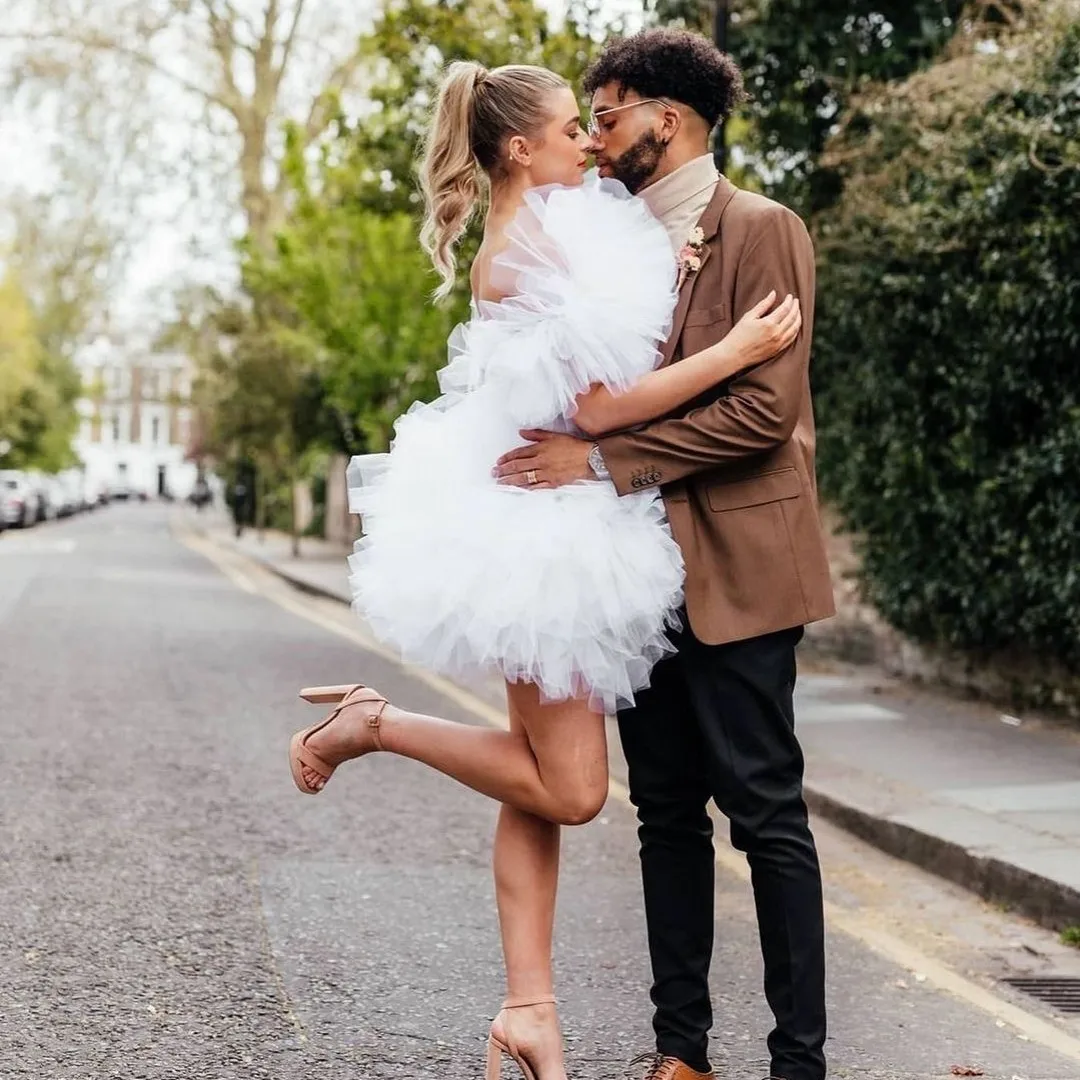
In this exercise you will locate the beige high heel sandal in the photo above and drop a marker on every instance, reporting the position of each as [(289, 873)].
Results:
[(299, 753), (497, 1048)]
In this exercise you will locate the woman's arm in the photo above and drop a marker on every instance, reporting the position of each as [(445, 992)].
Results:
[(757, 336)]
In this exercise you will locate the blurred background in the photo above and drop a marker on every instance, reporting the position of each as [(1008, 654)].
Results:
[(211, 294), (211, 288)]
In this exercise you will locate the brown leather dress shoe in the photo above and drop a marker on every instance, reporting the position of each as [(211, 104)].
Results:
[(669, 1068)]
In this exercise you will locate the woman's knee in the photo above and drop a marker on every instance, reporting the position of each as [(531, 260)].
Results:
[(579, 807)]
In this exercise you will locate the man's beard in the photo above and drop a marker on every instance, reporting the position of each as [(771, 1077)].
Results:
[(636, 166)]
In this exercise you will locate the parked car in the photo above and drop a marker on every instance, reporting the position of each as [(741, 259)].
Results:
[(42, 491), (19, 499), (95, 493), (69, 494)]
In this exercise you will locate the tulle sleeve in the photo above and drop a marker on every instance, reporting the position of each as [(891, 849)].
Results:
[(589, 277)]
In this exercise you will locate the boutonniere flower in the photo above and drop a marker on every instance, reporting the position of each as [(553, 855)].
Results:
[(690, 255)]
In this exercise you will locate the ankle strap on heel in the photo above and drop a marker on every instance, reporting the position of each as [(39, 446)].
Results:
[(526, 1002)]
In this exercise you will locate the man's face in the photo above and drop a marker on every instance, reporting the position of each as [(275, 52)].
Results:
[(627, 142)]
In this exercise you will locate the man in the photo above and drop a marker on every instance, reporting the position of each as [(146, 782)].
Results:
[(736, 471)]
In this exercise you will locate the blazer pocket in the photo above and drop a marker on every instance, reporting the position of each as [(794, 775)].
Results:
[(707, 316), (754, 490)]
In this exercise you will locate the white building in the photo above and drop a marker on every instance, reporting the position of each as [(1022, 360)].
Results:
[(135, 422)]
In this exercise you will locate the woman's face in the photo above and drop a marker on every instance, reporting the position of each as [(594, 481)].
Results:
[(558, 154)]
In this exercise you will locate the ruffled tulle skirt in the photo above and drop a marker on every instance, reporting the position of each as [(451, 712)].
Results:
[(570, 588)]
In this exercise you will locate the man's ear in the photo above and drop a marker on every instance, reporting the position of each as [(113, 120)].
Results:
[(670, 124)]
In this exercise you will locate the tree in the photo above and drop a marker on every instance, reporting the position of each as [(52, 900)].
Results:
[(803, 61), (947, 332), (259, 402), (19, 357), (38, 388), (347, 282), (404, 56), (346, 286), (230, 74)]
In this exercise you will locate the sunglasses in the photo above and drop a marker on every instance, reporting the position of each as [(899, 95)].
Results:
[(593, 128)]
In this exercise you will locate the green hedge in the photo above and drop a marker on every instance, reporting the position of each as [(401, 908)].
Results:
[(948, 347)]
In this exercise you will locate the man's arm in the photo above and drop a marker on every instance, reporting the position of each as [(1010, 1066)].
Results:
[(762, 405)]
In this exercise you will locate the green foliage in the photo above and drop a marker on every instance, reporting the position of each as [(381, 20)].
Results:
[(803, 61), (947, 337), (349, 287), (406, 52), (256, 392), (38, 387), (341, 304)]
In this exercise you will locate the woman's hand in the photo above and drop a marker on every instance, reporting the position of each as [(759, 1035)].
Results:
[(762, 334)]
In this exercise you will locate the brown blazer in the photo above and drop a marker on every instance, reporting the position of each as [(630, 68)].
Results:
[(736, 467)]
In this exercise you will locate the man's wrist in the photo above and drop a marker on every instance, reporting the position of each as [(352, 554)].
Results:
[(596, 463)]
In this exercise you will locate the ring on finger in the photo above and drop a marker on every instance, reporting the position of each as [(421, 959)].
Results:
[(530, 476)]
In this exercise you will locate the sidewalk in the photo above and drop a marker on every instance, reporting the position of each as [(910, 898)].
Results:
[(989, 801)]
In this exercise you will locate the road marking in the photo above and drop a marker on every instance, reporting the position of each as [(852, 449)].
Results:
[(847, 712), (30, 546), (208, 549), (852, 923)]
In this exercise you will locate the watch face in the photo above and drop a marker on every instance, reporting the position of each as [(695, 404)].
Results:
[(596, 463)]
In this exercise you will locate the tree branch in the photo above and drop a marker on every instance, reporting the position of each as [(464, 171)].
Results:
[(340, 77), (97, 44), (290, 40), (223, 42)]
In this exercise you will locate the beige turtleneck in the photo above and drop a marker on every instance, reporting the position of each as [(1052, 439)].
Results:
[(680, 198)]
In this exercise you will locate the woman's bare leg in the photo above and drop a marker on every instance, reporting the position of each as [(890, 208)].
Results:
[(554, 767), (549, 768), (526, 862)]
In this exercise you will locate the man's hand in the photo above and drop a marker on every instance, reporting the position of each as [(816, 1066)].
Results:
[(550, 461)]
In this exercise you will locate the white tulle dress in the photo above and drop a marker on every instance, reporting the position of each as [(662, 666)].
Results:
[(569, 588)]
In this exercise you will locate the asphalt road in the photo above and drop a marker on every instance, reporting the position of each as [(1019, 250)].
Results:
[(171, 907)]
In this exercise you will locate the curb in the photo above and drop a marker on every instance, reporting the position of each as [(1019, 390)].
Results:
[(1050, 903), (299, 583)]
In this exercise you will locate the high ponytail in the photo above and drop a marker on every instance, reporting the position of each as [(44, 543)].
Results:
[(475, 116), (449, 175)]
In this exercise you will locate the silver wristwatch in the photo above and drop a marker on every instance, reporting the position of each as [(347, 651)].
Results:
[(596, 463)]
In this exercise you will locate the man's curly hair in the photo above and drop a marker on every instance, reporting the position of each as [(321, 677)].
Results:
[(673, 64)]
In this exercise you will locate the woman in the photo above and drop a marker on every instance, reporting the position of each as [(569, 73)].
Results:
[(566, 592)]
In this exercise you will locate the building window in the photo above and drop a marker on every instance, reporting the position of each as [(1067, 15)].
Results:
[(116, 429), (155, 430)]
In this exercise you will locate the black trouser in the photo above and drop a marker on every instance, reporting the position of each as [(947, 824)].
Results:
[(718, 722)]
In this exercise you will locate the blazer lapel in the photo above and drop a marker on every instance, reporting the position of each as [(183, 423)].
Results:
[(710, 226)]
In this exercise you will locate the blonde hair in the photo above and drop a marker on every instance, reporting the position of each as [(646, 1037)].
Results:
[(478, 111)]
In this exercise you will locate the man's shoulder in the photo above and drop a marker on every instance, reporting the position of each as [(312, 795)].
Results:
[(755, 212)]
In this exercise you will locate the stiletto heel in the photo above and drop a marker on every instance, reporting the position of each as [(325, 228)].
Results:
[(299, 753), (497, 1047)]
